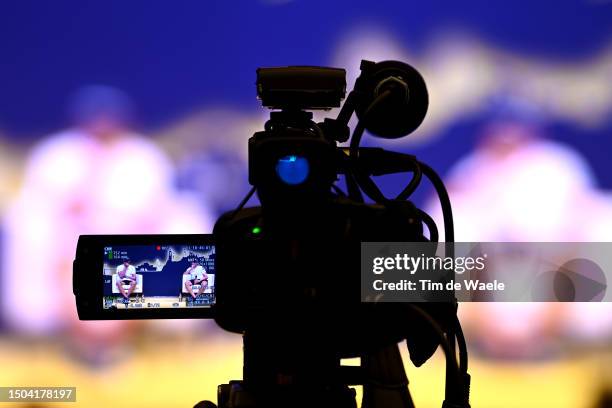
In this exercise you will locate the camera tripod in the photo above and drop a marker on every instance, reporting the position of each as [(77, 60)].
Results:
[(279, 374)]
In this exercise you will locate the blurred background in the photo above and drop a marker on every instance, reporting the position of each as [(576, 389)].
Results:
[(133, 117)]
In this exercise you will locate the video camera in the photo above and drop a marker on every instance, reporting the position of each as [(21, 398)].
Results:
[(286, 272)]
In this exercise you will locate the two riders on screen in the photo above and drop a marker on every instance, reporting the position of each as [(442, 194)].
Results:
[(127, 277)]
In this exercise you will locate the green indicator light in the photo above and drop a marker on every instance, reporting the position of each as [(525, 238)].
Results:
[(110, 255), (256, 230)]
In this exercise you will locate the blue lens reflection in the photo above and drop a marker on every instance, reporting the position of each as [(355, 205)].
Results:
[(292, 169)]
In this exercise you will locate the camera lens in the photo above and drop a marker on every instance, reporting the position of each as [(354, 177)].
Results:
[(292, 169)]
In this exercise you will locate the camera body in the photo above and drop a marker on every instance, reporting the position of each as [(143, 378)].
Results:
[(296, 258), (304, 267), (289, 270), (293, 263)]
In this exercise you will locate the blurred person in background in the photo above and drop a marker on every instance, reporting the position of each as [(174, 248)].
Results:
[(74, 183), (519, 186)]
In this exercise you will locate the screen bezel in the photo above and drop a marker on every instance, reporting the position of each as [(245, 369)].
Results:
[(88, 279)]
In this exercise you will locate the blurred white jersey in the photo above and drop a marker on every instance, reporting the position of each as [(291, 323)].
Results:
[(76, 184), (197, 273), (128, 272), (536, 191)]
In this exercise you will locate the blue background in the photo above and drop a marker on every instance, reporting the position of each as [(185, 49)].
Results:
[(174, 57)]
